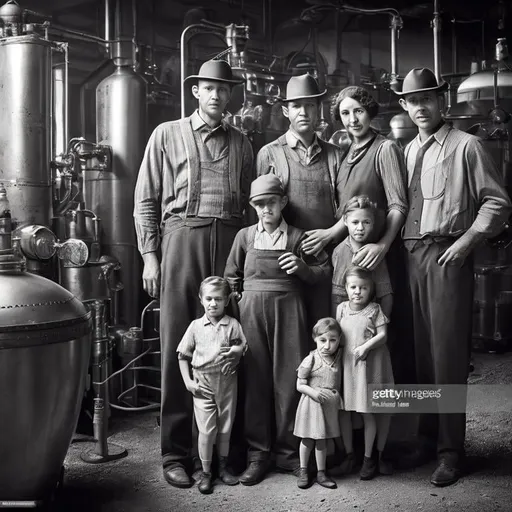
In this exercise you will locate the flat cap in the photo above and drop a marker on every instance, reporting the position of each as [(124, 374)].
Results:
[(265, 185)]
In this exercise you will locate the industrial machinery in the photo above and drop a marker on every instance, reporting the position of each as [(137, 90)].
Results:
[(45, 341)]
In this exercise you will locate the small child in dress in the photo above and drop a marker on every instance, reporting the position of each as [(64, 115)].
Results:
[(317, 418), (208, 353), (366, 361), (359, 215)]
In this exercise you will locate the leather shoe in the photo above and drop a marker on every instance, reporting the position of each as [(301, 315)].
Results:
[(255, 472), (303, 478), (445, 474), (205, 483), (177, 477)]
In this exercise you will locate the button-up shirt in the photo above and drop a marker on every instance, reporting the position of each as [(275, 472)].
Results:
[(307, 155), (275, 241), (461, 185), (203, 340), (215, 139)]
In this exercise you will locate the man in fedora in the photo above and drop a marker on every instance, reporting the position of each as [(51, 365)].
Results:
[(456, 200), (190, 199), (308, 168)]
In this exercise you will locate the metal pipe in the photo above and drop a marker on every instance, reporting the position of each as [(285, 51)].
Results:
[(396, 25), (182, 57), (436, 27), (76, 34)]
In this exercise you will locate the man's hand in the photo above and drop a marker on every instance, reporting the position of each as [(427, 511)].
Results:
[(151, 274), (195, 389), (316, 241), (369, 256), (231, 358), (292, 264), (456, 254)]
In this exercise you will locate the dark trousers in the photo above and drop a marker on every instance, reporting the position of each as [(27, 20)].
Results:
[(442, 301), (275, 326), (189, 255)]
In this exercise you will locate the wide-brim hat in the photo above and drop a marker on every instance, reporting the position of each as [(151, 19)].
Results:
[(302, 87), (421, 80), (266, 184), (216, 70)]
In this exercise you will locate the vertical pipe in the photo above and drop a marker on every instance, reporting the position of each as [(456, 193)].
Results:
[(436, 27), (108, 26), (395, 25)]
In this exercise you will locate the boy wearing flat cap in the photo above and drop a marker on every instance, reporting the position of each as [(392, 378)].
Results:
[(268, 268), (308, 168), (190, 199), (456, 200)]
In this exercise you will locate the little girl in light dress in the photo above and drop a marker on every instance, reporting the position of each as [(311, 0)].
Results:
[(317, 418), (366, 361)]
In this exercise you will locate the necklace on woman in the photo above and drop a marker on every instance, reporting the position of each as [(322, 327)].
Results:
[(358, 150)]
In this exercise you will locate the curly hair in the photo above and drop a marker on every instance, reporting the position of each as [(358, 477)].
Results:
[(357, 93), (324, 325), (361, 202)]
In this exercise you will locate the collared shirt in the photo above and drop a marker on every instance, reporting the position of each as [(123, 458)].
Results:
[(307, 155), (215, 139), (275, 241), (162, 188), (203, 340), (461, 185)]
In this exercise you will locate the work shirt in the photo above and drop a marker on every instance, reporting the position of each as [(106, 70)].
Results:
[(275, 241), (307, 155), (203, 340), (461, 185), (163, 189)]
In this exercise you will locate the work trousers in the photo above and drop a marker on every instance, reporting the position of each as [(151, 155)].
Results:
[(442, 302), (190, 253), (275, 327)]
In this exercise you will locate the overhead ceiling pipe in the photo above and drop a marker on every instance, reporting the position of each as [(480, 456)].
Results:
[(436, 27)]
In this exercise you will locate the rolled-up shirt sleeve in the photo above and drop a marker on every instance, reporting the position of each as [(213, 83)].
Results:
[(487, 189), (148, 194), (392, 171)]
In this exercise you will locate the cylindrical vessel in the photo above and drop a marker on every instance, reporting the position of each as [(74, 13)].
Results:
[(25, 105), (45, 338), (121, 124)]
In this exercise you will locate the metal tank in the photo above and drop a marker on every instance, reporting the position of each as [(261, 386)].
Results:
[(25, 105), (45, 339), (121, 112)]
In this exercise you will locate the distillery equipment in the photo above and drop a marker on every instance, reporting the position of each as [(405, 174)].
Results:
[(121, 125), (44, 352)]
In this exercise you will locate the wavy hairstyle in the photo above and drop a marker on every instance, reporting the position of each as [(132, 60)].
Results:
[(357, 93), (361, 202)]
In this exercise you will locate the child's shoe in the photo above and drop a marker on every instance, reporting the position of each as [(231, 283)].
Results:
[(369, 469), (224, 474), (205, 483), (303, 478), (346, 467), (325, 481)]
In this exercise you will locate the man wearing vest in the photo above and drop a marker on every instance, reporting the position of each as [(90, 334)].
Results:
[(308, 168), (456, 200), (190, 200)]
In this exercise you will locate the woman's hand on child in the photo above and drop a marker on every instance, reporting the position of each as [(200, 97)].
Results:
[(290, 263), (360, 353), (316, 241), (369, 256)]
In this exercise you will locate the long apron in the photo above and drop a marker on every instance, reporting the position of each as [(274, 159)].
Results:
[(192, 250), (273, 318), (310, 207)]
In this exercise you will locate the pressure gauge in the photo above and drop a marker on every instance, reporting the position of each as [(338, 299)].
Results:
[(37, 242)]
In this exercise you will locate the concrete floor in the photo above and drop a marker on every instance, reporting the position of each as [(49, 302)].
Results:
[(136, 484)]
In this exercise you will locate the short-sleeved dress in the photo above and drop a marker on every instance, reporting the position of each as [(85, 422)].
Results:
[(313, 419), (358, 327)]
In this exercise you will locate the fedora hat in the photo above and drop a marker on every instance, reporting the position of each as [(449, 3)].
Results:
[(421, 80), (217, 70), (301, 87)]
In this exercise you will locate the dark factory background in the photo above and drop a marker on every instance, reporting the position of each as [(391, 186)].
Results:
[(89, 80)]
